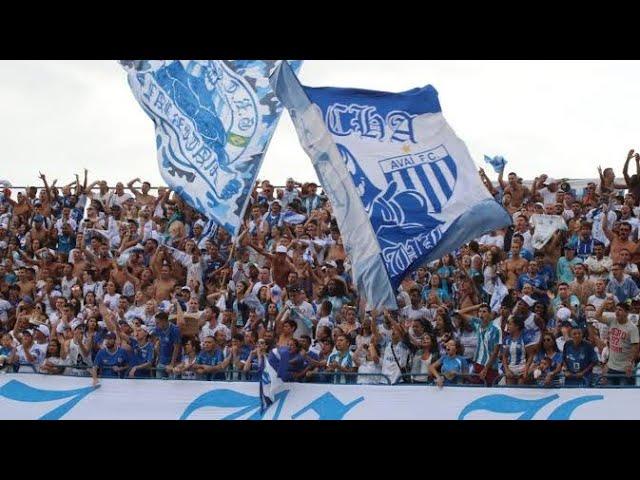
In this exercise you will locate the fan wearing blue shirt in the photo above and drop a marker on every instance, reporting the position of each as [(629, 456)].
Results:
[(141, 354), (168, 336), (210, 362), (564, 267), (111, 361), (451, 366), (536, 280), (547, 349), (578, 358)]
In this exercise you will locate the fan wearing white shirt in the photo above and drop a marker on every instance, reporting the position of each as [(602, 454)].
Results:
[(415, 310), (491, 239)]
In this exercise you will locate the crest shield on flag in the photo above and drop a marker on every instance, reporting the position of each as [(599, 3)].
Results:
[(213, 122), (402, 185)]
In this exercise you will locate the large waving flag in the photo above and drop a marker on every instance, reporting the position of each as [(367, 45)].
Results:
[(402, 185), (213, 122)]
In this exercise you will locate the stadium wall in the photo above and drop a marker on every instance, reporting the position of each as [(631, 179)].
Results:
[(33, 396)]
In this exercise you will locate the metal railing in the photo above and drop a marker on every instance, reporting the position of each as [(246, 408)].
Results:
[(349, 378), (338, 378), (463, 379)]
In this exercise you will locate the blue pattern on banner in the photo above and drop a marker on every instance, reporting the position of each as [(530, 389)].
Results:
[(225, 398), (328, 407), (214, 120), (564, 411), (528, 408), (20, 392), (507, 404)]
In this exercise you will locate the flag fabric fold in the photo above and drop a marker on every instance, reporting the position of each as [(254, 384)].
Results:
[(213, 122), (402, 185), (270, 383)]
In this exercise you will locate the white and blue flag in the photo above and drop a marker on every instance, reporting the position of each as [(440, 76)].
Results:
[(270, 383), (213, 122), (498, 163), (402, 185)]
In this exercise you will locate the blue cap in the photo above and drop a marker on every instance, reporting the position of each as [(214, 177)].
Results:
[(38, 218)]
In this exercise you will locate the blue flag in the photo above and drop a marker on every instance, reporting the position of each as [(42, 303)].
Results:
[(496, 162), (213, 122), (402, 185)]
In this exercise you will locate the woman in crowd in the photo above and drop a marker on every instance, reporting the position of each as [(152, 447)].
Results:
[(514, 353)]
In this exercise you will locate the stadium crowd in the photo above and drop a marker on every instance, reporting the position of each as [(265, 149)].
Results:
[(123, 283)]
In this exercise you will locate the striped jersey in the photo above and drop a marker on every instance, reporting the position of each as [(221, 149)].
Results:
[(515, 350), (488, 338)]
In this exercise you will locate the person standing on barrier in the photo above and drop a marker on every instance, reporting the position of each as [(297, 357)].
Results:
[(485, 361), (578, 359), (623, 346)]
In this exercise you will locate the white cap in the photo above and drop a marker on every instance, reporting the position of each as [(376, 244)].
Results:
[(44, 330), (528, 300), (281, 249), (199, 223), (563, 314)]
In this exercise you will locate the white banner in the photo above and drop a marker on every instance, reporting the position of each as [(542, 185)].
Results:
[(33, 396), (544, 226)]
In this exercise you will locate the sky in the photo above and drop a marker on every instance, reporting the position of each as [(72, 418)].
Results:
[(563, 118)]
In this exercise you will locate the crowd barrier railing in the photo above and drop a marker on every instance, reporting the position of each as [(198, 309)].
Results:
[(605, 380), (463, 379)]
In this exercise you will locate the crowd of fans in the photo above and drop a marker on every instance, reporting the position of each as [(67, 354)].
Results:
[(123, 283)]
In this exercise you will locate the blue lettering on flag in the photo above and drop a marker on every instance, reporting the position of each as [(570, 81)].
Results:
[(420, 195)]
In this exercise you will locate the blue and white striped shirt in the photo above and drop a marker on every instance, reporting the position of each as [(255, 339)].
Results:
[(515, 349), (488, 338)]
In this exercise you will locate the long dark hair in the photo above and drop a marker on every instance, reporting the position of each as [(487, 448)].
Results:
[(547, 333), (56, 342)]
